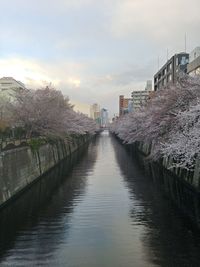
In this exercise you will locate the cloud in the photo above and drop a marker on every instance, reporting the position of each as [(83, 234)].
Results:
[(81, 107), (35, 73), (160, 22), (93, 50)]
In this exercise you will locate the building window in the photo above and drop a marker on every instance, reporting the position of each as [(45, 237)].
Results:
[(6, 84), (164, 72), (169, 67), (169, 78), (184, 61)]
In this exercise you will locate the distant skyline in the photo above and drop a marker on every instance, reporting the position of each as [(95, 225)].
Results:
[(93, 51)]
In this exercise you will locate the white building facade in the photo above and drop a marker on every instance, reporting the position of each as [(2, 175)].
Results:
[(8, 86), (139, 98)]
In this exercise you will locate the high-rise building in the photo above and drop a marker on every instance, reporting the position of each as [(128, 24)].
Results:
[(123, 105), (130, 106), (139, 98), (148, 85), (95, 113), (104, 118), (193, 67), (168, 74)]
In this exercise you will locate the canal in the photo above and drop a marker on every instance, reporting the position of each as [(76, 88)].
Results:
[(99, 209)]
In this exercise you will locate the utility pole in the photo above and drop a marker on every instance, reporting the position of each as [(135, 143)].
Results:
[(158, 62)]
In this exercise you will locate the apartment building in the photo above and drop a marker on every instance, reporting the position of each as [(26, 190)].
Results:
[(139, 98), (169, 72), (193, 67), (124, 104)]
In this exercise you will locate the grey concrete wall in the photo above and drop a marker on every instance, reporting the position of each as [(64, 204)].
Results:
[(190, 176), (181, 186), (22, 166)]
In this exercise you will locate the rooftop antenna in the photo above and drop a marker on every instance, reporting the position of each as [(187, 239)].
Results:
[(167, 54), (158, 62)]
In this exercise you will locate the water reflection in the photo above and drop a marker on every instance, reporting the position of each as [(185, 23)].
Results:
[(104, 212), (167, 238), (32, 227)]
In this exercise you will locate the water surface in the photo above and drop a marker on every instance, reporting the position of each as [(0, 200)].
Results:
[(99, 209)]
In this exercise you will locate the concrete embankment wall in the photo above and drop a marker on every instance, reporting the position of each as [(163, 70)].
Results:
[(180, 185), (20, 167)]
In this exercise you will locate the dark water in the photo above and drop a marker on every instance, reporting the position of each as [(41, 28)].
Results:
[(104, 212)]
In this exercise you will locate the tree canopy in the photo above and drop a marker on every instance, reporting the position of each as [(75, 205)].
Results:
[(169, 121), (47, 112)]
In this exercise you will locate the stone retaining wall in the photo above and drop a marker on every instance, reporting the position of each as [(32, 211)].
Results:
[(20, 167), (179, 185)]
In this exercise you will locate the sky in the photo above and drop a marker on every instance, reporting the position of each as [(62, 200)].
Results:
[(91, 50)]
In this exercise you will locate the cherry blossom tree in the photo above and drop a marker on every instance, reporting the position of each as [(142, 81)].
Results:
[(164, 123), (183, 144), (48, 113), (78, 123)]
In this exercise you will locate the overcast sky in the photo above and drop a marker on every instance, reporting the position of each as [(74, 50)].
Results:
[(93, 50)]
